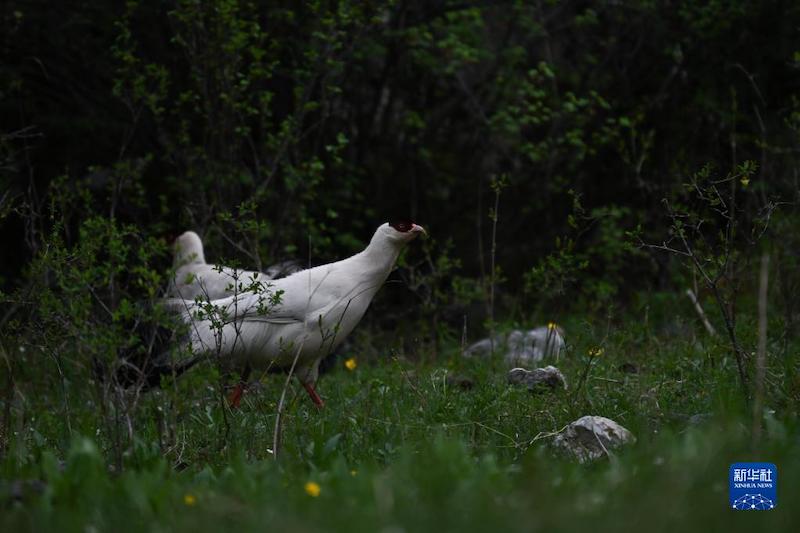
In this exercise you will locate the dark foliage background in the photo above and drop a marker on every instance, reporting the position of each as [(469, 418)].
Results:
[(281, 129), (585, 165)]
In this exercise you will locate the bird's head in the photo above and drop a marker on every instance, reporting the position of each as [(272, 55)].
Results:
[(401, 231)]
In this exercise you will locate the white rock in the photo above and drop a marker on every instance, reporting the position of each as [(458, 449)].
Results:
[(592, 437), (525, 348), (483, 348), (522, 348)]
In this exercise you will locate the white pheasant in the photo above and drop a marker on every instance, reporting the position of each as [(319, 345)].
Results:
[(300, 319), (196, 278)]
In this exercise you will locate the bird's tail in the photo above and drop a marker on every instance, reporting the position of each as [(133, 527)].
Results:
[(150, 374), (188, 249), (155, 352)]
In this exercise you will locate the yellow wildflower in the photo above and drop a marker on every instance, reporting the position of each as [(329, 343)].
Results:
[(313, 489), (745, 181), (551, 326), (351, 364), (596, 352), (189, 499)]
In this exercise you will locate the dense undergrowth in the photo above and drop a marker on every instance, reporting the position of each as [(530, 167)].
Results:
[(400, 447)]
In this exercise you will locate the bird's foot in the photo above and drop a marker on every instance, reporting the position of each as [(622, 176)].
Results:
[(314, 396), (235, 397)]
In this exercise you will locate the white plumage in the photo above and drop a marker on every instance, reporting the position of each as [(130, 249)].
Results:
[(303, 316), (194, 277)]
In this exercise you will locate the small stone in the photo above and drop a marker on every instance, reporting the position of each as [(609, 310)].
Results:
[(538, 379), (699, 419), (483, 348), (20, 490), (460, 381), (592, 437), (628, 368), (408, 374)]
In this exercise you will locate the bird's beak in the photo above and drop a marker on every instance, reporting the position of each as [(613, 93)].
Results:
[(418, 229)]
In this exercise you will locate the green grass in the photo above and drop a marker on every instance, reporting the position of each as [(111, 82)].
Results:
[(398, 449)]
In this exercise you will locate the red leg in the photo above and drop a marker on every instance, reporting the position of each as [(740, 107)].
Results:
[(235, 397), (314, 396)]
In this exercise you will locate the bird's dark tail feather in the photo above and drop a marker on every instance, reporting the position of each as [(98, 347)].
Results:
[(148, 375), (153, 354), (284, 269)]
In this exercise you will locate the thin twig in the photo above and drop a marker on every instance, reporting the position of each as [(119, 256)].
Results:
[(701, 313), (497, 185), (408, 380), (761, 354), (276, 434)]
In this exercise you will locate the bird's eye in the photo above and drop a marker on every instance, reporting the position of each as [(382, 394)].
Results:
[(403, 226)]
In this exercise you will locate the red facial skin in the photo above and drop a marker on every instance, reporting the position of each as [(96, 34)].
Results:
[(407, 226), (403, 226)]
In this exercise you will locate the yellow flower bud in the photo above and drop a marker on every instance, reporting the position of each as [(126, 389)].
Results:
[(312, 489)]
